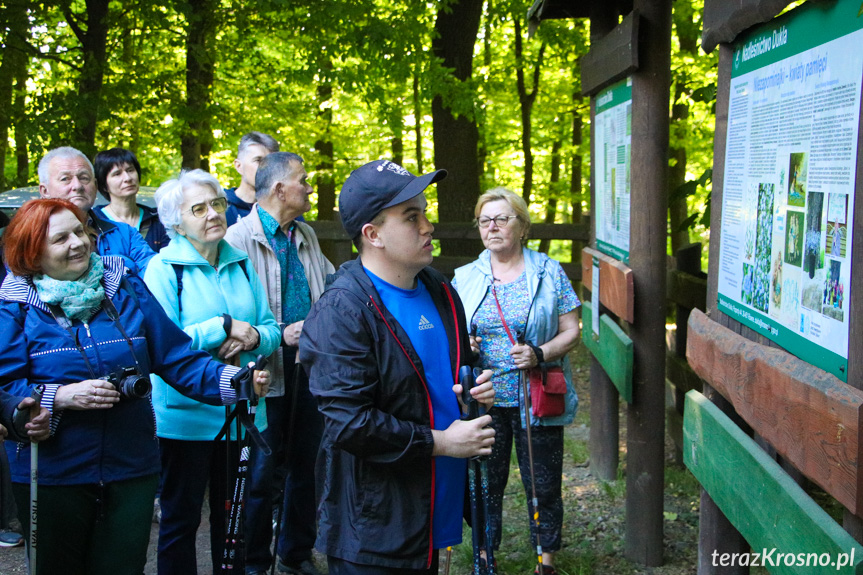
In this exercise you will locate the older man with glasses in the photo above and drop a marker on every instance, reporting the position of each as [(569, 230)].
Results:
[(67, 174)]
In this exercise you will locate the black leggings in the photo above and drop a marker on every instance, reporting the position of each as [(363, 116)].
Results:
[(548, 473), (91, 530)]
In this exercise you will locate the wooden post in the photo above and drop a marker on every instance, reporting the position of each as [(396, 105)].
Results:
[(852, 523), (604, 424), (715, 532), (689, 261), (646, 416), (604, 420)]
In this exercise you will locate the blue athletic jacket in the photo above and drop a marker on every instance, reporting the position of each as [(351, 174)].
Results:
[(119, 239), (93, 446), (157, 238)]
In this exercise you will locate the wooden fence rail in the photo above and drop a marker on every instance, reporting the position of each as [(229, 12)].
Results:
[(686, 289)]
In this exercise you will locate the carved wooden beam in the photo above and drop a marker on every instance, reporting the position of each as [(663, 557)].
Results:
[(809, 416)]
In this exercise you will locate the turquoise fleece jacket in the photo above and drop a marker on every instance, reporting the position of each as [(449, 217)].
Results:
[(207, 294)]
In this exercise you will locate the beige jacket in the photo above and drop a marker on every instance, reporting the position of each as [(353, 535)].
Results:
[(248, 235)]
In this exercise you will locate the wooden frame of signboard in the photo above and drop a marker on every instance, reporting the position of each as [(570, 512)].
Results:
[(835, 403)]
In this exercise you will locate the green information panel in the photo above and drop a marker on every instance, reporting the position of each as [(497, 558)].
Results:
[(612, 149), (788, 197)]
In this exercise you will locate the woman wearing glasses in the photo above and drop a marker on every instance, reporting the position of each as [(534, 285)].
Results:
[(211, 291), (511, 292), (69, 319)]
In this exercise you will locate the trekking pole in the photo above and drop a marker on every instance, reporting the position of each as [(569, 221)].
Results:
[(448, 560), (478, 472), (229, 496), (244, 413), (287, 455), (522, 375), (20, 419), (233, 530)]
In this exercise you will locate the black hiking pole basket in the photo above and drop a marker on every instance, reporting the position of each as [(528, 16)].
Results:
[(481, 530), (244, 415)]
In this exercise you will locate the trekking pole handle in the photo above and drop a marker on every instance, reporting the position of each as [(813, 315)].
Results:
[(242, 381), (467, 378), (21, 417)]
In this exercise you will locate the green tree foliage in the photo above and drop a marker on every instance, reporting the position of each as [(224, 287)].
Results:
[(340, 82), (692, 121)]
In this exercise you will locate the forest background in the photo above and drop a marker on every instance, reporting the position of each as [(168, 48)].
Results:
[(454, 84)]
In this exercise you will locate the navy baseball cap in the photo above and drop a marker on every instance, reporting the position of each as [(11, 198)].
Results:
[(376, 186)]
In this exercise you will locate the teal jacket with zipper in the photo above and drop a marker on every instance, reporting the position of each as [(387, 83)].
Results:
[(207, 293)]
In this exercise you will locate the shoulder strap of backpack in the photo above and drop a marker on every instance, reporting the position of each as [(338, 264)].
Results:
[(178, 271)]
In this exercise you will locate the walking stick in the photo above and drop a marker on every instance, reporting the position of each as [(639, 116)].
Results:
[(244, 413), (20, 420), (478, 484), (289, 442), (229, 549), (522, 375)]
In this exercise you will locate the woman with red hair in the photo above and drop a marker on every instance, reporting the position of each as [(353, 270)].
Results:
[(78, 324)]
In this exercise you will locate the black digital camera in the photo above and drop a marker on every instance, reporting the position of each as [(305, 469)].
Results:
[(130, 383)]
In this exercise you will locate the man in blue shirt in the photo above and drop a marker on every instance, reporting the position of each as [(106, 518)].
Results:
[(382, 347)]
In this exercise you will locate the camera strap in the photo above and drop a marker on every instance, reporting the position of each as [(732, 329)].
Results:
[(111, 310), (64, 322)]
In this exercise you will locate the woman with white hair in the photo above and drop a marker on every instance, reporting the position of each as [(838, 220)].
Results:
[(212, 292)]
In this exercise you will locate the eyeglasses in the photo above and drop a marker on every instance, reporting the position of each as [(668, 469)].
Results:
[(499, 221), (201, 210)]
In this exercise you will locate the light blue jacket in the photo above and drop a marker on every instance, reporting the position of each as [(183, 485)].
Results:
[(207, 294), (473, 281)]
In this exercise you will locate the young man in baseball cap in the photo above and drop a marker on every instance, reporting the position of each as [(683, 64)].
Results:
[(382, 348)]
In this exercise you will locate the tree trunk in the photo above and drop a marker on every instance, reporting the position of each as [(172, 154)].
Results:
[(397, 144), (687, 34), (418, 114), (456, 137), (677, 208), (554, 179), (85, 112), (21, 125), (14, 61), (526, 100), (326, 184), (576, 192), (196, 138), (486, 38)]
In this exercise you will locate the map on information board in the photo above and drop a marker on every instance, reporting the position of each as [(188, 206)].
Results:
[(612, 148), (788, 194)]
